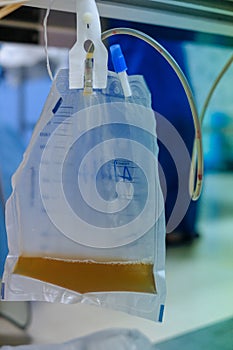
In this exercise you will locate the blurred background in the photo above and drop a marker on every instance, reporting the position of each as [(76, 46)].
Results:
[(199, 274)]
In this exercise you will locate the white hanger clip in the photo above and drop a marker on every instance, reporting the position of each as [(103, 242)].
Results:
[(88, 30)]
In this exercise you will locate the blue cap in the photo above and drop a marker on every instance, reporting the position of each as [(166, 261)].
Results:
[(118, 59)]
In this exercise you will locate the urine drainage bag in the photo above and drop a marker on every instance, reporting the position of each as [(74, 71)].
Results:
[(85, 221)]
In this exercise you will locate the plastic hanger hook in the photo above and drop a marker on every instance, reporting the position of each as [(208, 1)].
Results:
[(88, 32)]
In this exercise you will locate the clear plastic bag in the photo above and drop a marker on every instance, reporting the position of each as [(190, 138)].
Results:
[(111, 339), (85, 221)]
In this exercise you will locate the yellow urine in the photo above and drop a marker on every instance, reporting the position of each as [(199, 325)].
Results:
[(85, 276)]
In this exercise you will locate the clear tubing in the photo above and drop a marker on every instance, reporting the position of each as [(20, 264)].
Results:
[(46, 40), (207, 100), (217, 80), (195, 184), (88, 74)]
